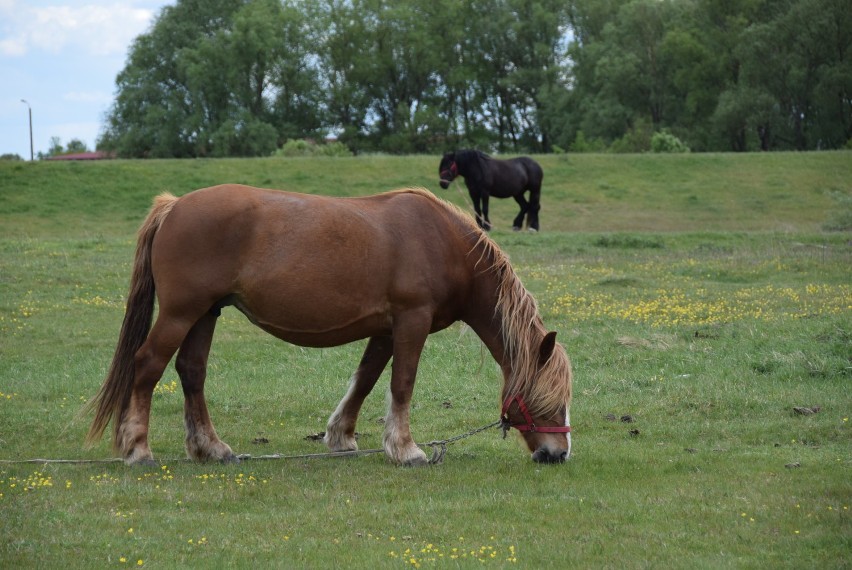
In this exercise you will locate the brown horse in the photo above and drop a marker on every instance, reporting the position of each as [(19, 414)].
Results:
[(318, 272)]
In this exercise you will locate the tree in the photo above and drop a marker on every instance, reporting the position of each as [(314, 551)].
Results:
[(799, 62), (240, 77), (57, 149), (76, 146), (218, 77)]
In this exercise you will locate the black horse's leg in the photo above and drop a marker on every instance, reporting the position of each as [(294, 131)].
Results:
[(534, 207), (486, 223), (518, 223), (474, 196)]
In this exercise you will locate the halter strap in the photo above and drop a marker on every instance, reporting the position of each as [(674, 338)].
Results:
[(530, 425)]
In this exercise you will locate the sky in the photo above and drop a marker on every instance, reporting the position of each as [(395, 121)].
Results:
[(62, 57)]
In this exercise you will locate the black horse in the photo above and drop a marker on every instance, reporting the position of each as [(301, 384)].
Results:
[(486, 177)]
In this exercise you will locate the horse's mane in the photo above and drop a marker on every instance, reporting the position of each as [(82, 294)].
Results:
[(545, 389), (471, 152), (471, 157)]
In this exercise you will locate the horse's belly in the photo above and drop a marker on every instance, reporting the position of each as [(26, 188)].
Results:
[(318, 325)]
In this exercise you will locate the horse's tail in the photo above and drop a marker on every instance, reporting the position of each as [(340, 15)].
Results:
[(114, 396)]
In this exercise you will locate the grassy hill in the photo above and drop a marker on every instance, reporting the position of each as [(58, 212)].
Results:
[(585, 193)]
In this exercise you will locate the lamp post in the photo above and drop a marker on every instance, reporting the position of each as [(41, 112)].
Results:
[(24, 101)]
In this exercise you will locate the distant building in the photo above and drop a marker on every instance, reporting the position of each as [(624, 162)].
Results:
[(97, 155)]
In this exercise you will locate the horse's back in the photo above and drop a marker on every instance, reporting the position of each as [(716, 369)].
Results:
[(513, 175), (289, 228), (310, 269)]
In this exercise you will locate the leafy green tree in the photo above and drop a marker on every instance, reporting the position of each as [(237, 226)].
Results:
[(240, 77), (56, 147), (799, 61), (157, 112), (215, 77), (619, 65), (76, 146)]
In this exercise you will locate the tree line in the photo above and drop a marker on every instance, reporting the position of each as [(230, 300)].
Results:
[(241, 77)]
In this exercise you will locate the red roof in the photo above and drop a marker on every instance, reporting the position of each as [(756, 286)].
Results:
[(97, 155)]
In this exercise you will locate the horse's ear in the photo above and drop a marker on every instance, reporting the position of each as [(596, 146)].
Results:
[(546, 349)]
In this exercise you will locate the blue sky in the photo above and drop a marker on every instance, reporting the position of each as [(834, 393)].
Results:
[(62, 57)]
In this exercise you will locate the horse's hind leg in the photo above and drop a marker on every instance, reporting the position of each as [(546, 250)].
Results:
[(534, 207), (202, 443), (340, 432), (150, 361), (518, 222)]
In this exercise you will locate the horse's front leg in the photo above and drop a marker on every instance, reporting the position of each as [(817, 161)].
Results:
[(475, 197), (410, 332), (486, 223), (202, 442), (340, 431)]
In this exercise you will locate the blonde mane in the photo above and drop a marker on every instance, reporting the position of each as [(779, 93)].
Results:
[(546, 389)]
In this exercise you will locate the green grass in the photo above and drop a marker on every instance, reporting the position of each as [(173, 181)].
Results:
[(781, 192), (701, 295)]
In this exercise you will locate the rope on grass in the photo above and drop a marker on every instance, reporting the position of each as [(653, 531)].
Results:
[(439, 450)]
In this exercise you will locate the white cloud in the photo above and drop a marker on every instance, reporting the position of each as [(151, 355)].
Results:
[(97, 29), (12, 47)]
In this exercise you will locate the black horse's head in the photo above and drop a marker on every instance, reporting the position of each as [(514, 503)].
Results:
[(448, 169)]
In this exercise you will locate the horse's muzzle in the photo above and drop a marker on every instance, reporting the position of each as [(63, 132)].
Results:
[(544, 455), (445, 183)]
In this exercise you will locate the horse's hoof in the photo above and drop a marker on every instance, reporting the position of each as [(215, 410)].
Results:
[(533, 231), (516, 228), (149, 462), (409, 457), (140, 457), (416, 462)]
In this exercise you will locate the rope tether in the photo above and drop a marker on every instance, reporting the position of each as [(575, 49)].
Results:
[(439, 450)]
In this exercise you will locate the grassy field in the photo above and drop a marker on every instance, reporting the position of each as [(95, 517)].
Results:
[(700, 297)]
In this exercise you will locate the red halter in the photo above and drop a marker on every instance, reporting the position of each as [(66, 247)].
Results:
[(530, 425), (453, 170)]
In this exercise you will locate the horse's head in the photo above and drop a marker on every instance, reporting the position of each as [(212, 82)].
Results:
[(448, 169), (548, 438), (544, 423)]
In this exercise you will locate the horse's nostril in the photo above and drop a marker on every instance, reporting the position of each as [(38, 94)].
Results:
[(542, 455)]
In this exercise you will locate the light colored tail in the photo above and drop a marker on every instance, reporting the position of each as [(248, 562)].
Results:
[(112, 399)]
